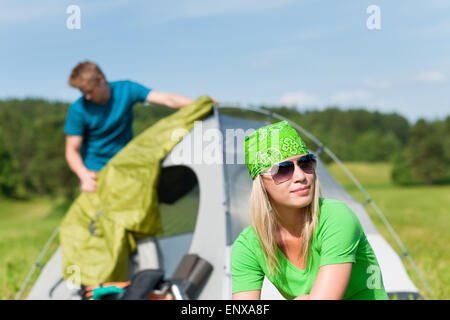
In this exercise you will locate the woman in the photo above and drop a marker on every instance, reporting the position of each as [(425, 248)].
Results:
[(308, 247)]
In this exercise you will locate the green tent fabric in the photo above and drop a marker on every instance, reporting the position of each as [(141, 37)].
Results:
[(98, 232)]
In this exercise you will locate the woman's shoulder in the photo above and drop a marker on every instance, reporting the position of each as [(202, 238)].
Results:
[(248, 234), (328, 206), (328, 202), (336, 210), (248, 238)]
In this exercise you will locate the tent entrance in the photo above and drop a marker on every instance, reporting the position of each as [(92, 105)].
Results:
[(178, 196)]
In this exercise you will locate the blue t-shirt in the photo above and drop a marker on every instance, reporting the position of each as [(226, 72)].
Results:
[(107, 128)]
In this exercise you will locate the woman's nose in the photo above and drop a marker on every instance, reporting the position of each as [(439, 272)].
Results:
[(299, 174)]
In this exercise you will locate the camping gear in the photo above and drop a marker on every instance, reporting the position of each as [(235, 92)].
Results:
[(139, 287), (204, 189), (185, 284), (98, 232), (191, 274), (105, 291), (142, 284)]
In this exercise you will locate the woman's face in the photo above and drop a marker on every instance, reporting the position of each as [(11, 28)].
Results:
[(297, 192)]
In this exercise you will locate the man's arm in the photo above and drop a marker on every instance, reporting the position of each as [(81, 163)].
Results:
[(171, 100), (75, 162), (331, 282)]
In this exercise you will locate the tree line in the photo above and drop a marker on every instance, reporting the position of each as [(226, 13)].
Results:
[(32, 159)]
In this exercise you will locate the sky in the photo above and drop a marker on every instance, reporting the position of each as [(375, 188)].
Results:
[(309, 54)]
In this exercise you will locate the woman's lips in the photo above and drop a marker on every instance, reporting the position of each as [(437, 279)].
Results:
[(301, 190)]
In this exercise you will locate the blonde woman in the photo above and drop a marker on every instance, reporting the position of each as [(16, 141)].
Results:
[(308, 247)]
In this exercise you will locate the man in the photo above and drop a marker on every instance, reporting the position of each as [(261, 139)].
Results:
[(99, 123)]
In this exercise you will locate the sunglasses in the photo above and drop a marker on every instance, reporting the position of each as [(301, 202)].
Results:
[(284, 171)]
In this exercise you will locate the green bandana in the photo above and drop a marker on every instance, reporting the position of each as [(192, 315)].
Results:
[(270, 145)]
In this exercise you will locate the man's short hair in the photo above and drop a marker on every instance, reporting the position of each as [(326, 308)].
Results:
[(85, 73)]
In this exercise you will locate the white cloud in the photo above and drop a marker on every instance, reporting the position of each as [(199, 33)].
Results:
[(299, 98), (346, 98), (431, 76), (376, 83), (351, 97)]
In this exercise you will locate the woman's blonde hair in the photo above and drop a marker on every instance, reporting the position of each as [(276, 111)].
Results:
[(265, 221)]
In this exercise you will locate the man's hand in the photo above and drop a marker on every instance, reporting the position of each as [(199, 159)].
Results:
[(73, 157), (88, 183)]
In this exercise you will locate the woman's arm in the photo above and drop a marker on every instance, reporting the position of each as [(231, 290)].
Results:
[(247, 295), (331, 282), (339, 241)]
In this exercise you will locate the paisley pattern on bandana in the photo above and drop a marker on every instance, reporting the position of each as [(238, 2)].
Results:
[(270, 145), (290, 145)]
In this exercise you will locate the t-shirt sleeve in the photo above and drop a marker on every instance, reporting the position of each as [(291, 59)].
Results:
[(246, 273), (339, 236), (138, 92), (74, 122)]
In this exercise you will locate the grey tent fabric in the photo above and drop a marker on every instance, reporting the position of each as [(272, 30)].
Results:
[(50, 284), (224, 188)]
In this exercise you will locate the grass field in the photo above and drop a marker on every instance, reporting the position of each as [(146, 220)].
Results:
[(25, 226), (419, 215)]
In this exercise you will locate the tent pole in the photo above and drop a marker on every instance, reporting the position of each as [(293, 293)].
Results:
[(405, 252), (37, 263)]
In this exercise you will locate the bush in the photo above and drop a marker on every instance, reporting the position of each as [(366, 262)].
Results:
[(8, 172), (425, 159), (400, 170)]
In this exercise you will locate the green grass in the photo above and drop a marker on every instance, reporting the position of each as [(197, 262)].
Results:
[(419, 215), (25, 226), (181, 216)]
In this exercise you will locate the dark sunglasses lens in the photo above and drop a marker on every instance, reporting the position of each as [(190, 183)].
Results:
[(283, 172), (307, 163)]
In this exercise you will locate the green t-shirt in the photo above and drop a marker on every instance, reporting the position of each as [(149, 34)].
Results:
[(339, 238)]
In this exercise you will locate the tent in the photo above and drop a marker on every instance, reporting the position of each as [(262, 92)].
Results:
[(204, 190)]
